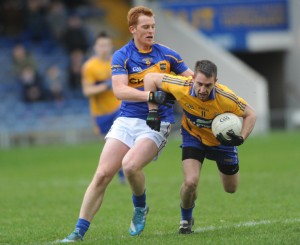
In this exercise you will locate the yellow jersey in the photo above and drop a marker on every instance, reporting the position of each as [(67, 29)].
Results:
[(198, 115), (96, 71)]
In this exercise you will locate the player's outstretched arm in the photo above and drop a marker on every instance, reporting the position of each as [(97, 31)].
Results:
[(187, 73), (92, 89), (123, 92), (153, 82)]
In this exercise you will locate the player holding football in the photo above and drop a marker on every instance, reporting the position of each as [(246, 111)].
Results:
[(202, 99), (97, 86), (130, 143)]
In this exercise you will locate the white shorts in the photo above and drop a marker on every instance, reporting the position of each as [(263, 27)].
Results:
[(129, 130)]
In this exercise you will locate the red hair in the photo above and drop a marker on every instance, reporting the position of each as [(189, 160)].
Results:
[(135, 12)]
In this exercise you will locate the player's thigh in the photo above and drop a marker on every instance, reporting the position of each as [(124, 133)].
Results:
[(191, 170), (192, 159), (143, 152), (147, 145), (160, 138), (112, 155)]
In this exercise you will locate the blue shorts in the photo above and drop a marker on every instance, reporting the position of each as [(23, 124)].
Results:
[(225, 156), (104, 122)]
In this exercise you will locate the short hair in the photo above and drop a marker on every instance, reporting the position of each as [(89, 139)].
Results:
[(135, 12), (102, 34), (208, 68)]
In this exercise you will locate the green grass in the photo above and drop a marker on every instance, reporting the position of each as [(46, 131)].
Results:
[(41, 189)]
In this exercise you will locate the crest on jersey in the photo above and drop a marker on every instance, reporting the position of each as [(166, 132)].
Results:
[(163, 66), (147, 61)]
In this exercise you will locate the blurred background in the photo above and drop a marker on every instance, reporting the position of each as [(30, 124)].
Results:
[(43, 43)]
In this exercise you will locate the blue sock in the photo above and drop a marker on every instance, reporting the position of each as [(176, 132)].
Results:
[(121, 174), (139, 201), (187, 214), (82, 226)]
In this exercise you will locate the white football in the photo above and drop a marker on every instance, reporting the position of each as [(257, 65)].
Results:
[(226, 122)]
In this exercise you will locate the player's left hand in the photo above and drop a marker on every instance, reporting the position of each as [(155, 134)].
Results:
[(153, 120), (235, 140), (109, 84), (161, 98)]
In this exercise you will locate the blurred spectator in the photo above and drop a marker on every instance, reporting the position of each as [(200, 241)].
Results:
[(76, 61), (75, 35), (21, 59), (57, 18), (54, 83), (35, 21), (11, 17), (31, 85), (75, 3)]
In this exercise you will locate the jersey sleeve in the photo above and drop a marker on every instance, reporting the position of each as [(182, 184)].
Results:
[(87, 74), (118, 63), (237, 104), (176, 85), (177, 64), (240, 105)]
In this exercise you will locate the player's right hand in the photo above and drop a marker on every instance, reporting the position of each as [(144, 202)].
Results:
[(161, 98), (153, 120), (235, 140)]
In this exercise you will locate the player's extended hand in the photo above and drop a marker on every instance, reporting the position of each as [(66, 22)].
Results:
[(161, 98), (153, 120), (109, 84), (235, 140)]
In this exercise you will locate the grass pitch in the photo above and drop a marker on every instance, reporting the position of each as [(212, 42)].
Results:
[(41, 189)]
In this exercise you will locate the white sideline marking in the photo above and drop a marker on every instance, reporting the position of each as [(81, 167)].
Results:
[(221, 227), (246, 224)]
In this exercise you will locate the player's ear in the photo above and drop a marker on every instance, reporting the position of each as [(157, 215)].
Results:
[(132, 29), (216, 79)]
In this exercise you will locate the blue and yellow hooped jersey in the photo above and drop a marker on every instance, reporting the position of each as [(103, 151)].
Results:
[(198, 115), (136, 64)]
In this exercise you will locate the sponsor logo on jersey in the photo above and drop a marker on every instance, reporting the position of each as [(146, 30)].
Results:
[(136, 81), (202, 123)]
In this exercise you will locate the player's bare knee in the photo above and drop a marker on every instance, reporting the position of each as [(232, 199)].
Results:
[(191, 183), (129, 168), (230, 189), (102, 178)]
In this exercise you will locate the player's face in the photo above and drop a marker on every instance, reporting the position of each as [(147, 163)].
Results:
[(103, 47), (143, 32), (203, 86)]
